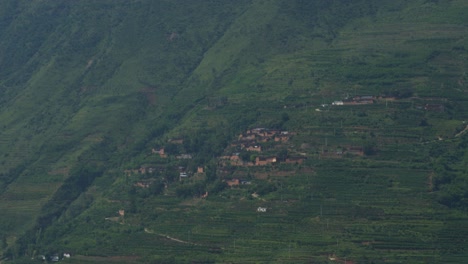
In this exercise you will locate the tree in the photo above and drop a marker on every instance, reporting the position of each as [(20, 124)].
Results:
[(370, 148), (217, 187), (283, 155), (156, 187), (3, 241)]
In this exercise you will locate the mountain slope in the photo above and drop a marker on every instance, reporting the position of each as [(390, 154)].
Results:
[(89, 89), (65, 91)]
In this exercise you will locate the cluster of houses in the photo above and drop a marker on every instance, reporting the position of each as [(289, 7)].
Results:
[(370, 99), (143, 170), (339, 152), (160, 152), (236, 182), (357, 100), (251, 141), (434, 107), (256, 135), (55, 257)]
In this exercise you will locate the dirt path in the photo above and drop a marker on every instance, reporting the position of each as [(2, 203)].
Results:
[(148, 231), (461, 132), (112, 259)]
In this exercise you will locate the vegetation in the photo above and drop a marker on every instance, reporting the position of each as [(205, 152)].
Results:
[(234, 131)]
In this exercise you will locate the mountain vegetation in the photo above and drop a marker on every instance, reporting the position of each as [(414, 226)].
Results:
[(214, 131)]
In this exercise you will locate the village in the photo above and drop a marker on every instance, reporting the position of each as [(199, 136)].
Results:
[(261, 157), (258, 149), (425, 103), (245, 158)]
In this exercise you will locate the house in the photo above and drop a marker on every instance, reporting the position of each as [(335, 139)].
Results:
[(122, 212), (184, 156), (160, 152), (234, 160), (330, 154), (355, 150), (387, 98), (295, 160), (434, 107), (172, 36), (338, 103), (176, 140), (264, 138), (247, 137), (350, 102), (261, 209), (233, 182), (257, 130), (271, 132), (367, 97), (366, 102), (66, 255), (54, 258), (363, 98), (200, 170), (130, 172), (183, 175), (255, 148), (143, 184), (246, 144), (262, 161), (234, 157), (282, 138), (243, 163), (143, 170)]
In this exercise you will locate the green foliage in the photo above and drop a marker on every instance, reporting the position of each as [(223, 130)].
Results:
[(87, 89), (191, 190), (451, 176)]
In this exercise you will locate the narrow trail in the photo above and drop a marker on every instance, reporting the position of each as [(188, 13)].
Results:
[(148, 231), (461, 132)]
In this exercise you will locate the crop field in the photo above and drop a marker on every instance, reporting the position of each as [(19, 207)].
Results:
[(275, 131)]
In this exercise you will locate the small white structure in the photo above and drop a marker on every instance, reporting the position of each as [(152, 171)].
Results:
[(262, 209), (66, 255), (338, 103)]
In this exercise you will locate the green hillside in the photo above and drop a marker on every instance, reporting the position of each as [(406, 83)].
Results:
[(214, 131)]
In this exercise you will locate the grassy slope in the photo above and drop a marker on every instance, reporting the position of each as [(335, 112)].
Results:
[(83, 73), (267, 57), (371, 55)]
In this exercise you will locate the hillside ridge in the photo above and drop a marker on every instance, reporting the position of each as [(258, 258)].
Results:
[(276, 131)]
